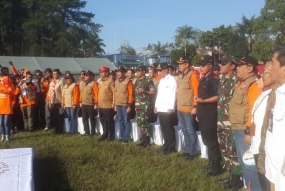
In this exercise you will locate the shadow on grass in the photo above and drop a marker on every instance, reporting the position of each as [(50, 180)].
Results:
[(50, 175)]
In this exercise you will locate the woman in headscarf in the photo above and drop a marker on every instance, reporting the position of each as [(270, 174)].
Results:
[(6, 105), (54, 100)]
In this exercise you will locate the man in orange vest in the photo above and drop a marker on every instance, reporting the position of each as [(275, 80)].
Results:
[(123, 100), (106, 104), (187, 90), (89, 103), (240, 113)]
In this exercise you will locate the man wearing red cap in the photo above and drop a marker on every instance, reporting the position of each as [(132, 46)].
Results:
[(106, 104)]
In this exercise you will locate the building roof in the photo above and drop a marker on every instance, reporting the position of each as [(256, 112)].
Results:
[(74, 65)]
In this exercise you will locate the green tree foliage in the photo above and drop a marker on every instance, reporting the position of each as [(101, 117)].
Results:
[(227, 38), (185, 36), (176, 54), (269, 29), (245, 28), (48, 28), (127, 50)]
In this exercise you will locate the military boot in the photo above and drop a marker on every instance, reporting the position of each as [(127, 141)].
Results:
[(147, 141), (141, 144), (227, 180), (215, 169), (236, 183), (209, 166)]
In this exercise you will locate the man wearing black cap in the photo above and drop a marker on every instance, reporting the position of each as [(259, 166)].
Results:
[(144, 88), (216, 69), (187, 83), (89, 103), (123, 99), (240, 111), (165, 106), (225, 134), (207, 113)]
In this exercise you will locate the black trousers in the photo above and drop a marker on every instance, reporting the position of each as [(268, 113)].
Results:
[(57, 118), (167, 128), (107, 121), (17, 118), (208, 126), (88, 112), (264, 182), (39, 111)]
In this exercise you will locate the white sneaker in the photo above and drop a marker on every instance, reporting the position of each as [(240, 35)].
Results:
[(3, 138), (46, 129), (7, 138)]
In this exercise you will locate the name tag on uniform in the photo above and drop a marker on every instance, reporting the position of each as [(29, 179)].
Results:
[(137, 103), (24, 92), (283, 168)]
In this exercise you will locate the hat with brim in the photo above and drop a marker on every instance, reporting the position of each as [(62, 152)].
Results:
[(183, 60), (141, 68), (216, 67), (104, 69), (248, 60), (88, 72), (69, 76), (206, 59), (231, 59), (162, 66), (121, 69)]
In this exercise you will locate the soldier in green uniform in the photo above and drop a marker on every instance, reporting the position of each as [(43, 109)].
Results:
[(144, 88), (225, 134)]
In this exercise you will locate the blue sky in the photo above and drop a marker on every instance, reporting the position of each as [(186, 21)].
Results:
[(149, 21)]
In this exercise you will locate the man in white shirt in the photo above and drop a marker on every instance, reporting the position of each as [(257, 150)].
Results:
[(258, 114), (164, 106), (275, 137)]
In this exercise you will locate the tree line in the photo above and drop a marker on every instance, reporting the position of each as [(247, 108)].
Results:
[(255, 36), (57, 28)]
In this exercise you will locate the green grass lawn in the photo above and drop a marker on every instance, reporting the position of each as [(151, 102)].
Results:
[(79, 163)]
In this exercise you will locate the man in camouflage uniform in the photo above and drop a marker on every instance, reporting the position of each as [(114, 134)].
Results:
[(152, 75), (225, 134), (144, 88)]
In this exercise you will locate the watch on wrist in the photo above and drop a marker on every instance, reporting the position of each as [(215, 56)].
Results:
[(247, 131)]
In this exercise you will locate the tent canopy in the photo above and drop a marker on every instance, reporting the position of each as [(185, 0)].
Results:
[(74, 65)]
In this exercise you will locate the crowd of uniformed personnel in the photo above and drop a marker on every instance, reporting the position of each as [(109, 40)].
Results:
[(236, 104)]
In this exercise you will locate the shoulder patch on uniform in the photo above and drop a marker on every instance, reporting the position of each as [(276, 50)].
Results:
[(217, 77), (244, 85)]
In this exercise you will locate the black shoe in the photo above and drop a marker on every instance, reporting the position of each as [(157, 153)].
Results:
[(141, 144), (86, 134), (190, 157), (111, 139), (102, 138), (226, 180), (121, 140), (125, 142), (208, 167), (147, 142), (236, 183), (183, 155), (216, 169)]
